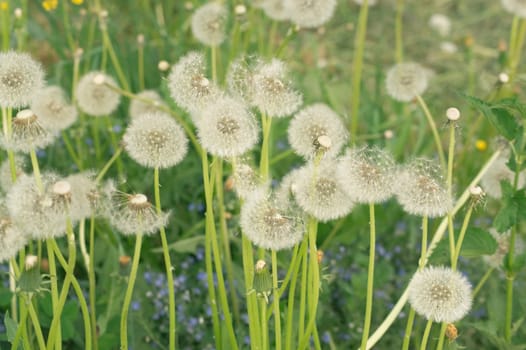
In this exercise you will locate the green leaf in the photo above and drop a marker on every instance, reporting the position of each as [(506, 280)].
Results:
[(11, 326), (513, 207), (478, 242), (187, 245)]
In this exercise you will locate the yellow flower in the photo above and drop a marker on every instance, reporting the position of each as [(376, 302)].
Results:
[(4, 5), (77, 2), (481, 145), (49, 5)]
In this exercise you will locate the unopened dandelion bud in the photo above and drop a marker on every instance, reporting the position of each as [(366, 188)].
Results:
[(240, 10), (30, 281), (18, 13), (20, 77), (163, 65), (440, 294), (453, 114), (124, 260), (504, 78), (140, 39), (262, 283), (30, 262)]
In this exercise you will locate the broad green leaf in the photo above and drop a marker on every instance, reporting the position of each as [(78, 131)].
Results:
[(477, 242), (11, 326), (187, 245)]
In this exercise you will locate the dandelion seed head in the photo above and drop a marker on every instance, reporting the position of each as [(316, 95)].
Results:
[(440, 294), (272, 93), (208, 24), (94, 97), (405, 81), (515, 7), (239, 79), (496, 260), (188, 85), (498, 172), (139, 107), (440, 23), (11, 238), (367, 174), (27, 133), (271, 225), (133, 214), (20, 77), (318, 192), (226, 128), (310, 13), (317, 128), (6, 181), (246, 179), (275, 9), (421, 190), (155, 140), (53, 111)]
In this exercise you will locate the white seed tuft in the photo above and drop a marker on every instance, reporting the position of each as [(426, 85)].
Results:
[(94, 97)]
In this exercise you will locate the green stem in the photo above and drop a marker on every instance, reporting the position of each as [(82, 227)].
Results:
[(515, 59), (277, 314), (54, 290), (461, 236), (36, 170), (370, 278), (67, 26), (168, 265), (266, 123), (252, 308), (36, 326), (398, 31), (113, 56), (425, 337), (434, 130), (140, 65), (5, 14), (214, 63), (482, 281), (264, 324), (442, 337), (129, 292), (408, 329), (92, 283), (449, 184), (303, 293), (357, 66), (71, 150), (290, 304), (21, 329), (108, 164)]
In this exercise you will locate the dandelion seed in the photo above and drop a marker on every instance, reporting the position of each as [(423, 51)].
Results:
[(27, 133), (226, 128), (405, 81), (20, 77), (53, 111), (155, 140), (367, 174), (318, 192), (5, 172), (421, 190), (208, 24), (272, 93), (11, 239), (40, 215), (269, 224), (310, 13), (498, 172), (315, 122), (515, 7), (94, 97), (139, 107), (440, 294), (189, 87), (133, 214), (239, 79)]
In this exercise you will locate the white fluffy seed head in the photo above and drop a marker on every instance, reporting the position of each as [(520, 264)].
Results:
[(53, 110), (405, 81), (38, 214), (187, 84), (11, 238), (27, 133), (246, 179), (516, 7), (269, 224), (504, 78), (163, 66), (94, 97), (318, 192), (20, 77), (275, 9), (310, 13), (87, 198), (133, 214), (498, 172), (440, 23), (6, 181), (453, 114), (317, 129), (272, 92), (440, 294), (367, 174), (155, 140), (421, 190), (138, 106), (208, 24), (496, 260), (226, 128), (239, 79), (369, 3)]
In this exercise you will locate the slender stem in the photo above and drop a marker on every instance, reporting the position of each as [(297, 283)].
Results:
[(108, 164), (92, 284), (253, 312), (140, 64), (266, 123), (461, 236), (399, 305), (21, 329), (482, 281), (67, 26), (214, 63), (370, 278), (303, 293), (5, 14), (54, 289), (449, 184), (398, 31), (36, 171), (408, 329), (264, 324), (515, 59), (434, 130), (129, 292), (442, 337), (425, 337), (357, 65), (168, 265), (276, 297), (113, 56), (71, 150), (36, 326), (290, 304)]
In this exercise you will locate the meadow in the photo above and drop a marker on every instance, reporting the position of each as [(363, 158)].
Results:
[(262, 174)]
